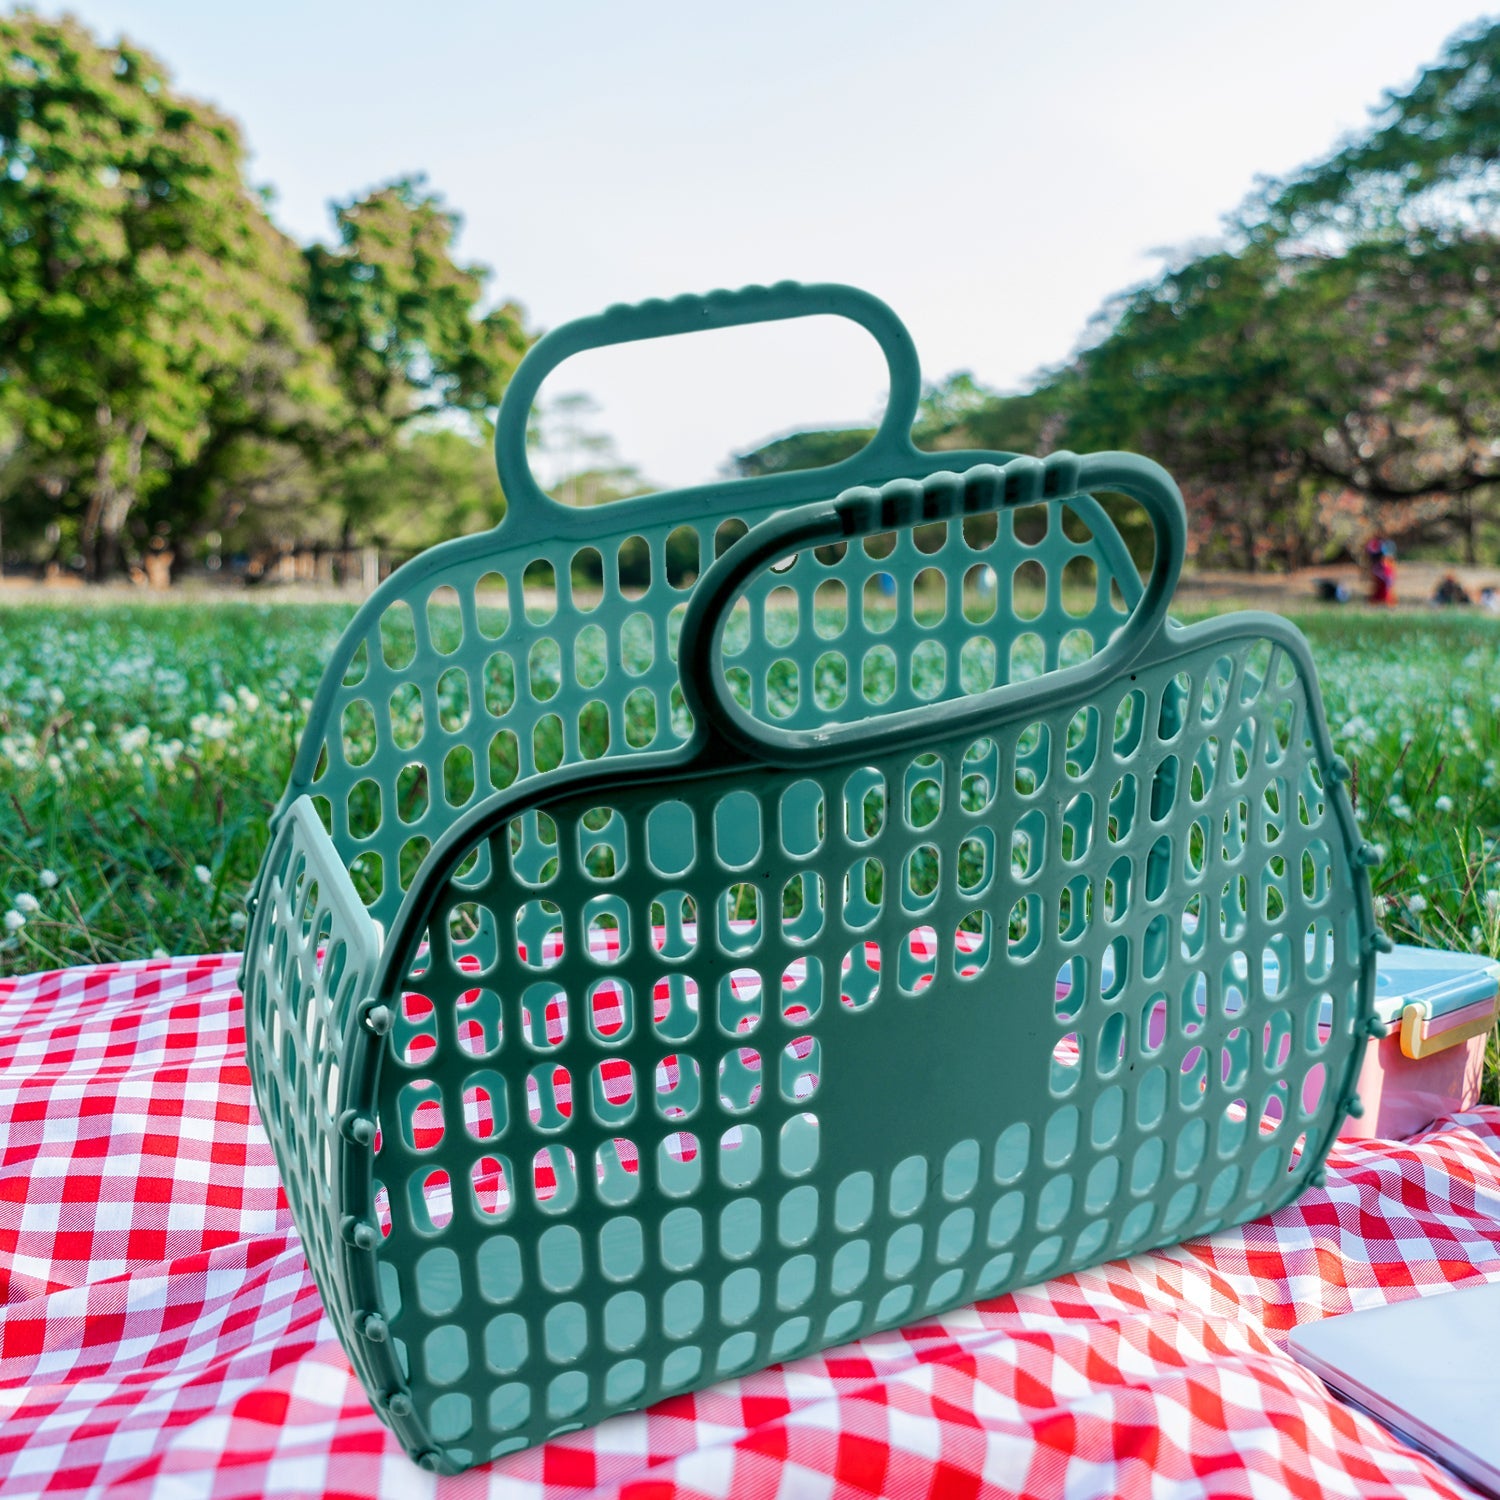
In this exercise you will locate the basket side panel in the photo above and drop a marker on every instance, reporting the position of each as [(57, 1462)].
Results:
[(309, 961), (503, 663), (691, 1078)]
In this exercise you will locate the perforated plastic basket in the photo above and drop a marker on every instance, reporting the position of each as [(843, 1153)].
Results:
[(945, 935)]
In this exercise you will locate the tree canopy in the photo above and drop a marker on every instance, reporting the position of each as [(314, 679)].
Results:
[(1332, 369), (171, 363), (176, 371)]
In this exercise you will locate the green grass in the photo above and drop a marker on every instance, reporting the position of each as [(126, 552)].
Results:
[(143, 746)]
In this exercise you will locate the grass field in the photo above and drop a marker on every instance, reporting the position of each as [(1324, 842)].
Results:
[(142, 747)]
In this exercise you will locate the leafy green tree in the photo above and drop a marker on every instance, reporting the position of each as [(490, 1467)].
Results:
[(1429, 160), (802, 450), (402, 320), (140, 274)]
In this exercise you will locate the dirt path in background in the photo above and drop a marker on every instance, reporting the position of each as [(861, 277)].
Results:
[(1415, 582)]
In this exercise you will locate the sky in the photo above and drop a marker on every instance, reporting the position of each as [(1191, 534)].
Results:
[(993, 170)]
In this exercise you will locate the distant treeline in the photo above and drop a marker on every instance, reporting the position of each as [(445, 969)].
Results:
[(177, 376), (1331, 371)]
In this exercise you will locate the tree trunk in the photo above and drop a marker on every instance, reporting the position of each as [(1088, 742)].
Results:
[(112, 500), (99, 498)]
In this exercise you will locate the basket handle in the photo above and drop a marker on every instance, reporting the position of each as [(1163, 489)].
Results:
[(903, 503), (623, 324)]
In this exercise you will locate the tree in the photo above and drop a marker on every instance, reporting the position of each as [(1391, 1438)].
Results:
[(401, 318), (140, 272), (1430, 158), (802, 450)]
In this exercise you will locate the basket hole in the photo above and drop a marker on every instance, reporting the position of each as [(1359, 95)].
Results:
[(802, 990), (554, 1175), (781, 616), (878, 602), (640, 718), (1080, 586), (453, 699), (539, 589), (431, 1196), (929, 670), (490, 1180), (611, 1010), (617, 1173), (549, 1096), (398, 636), (492, 606), (678, 1086), (499, 684), (458, 775), (547, 743), (419, 1107), (359, 666), (682, 558), (801, 1065), (478, 1018), (485, 1115), (633, 567), (544, 669), (679, 1164), (412, 799), (831, 608), (1028, 590), (978, 665), (929, 597), (445, 624), (358, 738)]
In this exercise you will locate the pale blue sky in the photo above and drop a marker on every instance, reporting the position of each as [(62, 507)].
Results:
[(993, 170)]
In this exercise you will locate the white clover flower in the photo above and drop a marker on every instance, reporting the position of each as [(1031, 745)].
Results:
[(1492, 901), (160, 953), (1444, 804), (27, 904), (1381, 905), (13, 920), (1416, 904), (48, 878), (203, 875), (237, 920)]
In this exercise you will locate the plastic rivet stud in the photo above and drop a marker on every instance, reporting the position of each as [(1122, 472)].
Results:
[(357, 1128), (1319, 1179), (373, 1327), (1367, 855), (1338, 769), (400, 1405), (1355, 1106), (1375, 1026), (1380, 943), (429, 1461), (362, 1236), (378, 1019)]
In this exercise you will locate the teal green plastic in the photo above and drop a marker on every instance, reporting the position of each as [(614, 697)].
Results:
[(875, 987), (494, 657)]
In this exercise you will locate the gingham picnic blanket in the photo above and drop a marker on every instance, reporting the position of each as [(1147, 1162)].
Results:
[(161, 1335)]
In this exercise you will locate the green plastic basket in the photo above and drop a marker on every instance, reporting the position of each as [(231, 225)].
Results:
[(944, 933)]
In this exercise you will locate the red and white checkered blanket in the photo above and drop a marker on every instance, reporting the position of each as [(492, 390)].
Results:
[(161, 1336)]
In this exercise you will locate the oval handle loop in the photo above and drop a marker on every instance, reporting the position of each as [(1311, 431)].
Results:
[(896, 506), (623, 324)]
